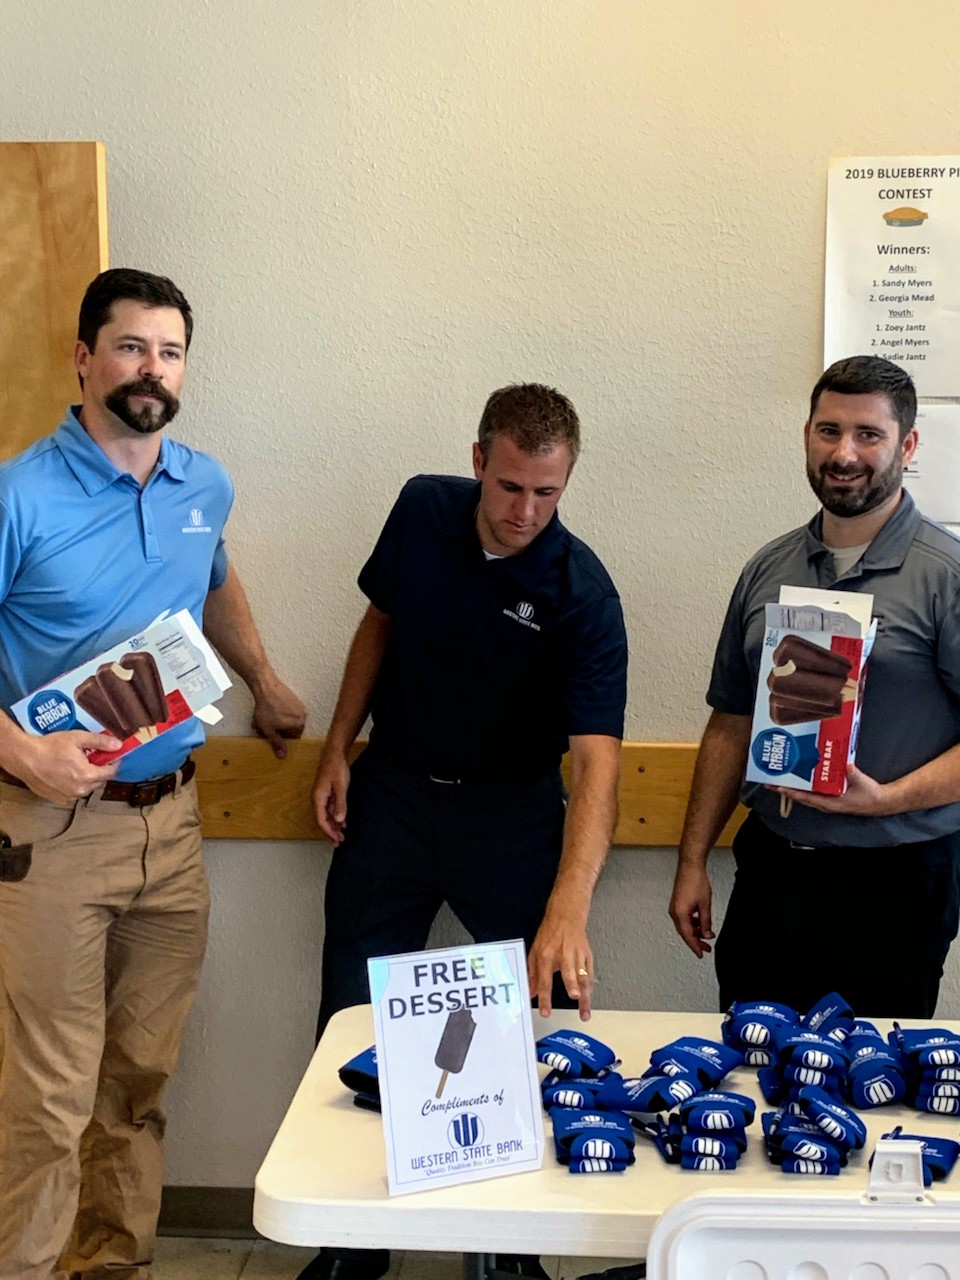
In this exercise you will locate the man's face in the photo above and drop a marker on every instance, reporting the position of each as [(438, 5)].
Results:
[(519, 493), (855, 459), (135, 372)]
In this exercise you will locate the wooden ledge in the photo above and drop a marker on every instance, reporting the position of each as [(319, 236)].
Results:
[(247, 794)]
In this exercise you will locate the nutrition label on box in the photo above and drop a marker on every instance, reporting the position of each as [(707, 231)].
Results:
[(892, 283), (184, 661)]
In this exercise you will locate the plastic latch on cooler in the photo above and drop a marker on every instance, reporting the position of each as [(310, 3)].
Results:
[(896, 1176)]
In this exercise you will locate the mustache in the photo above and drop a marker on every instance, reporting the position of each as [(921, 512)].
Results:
[(845, 469), (147, 387)]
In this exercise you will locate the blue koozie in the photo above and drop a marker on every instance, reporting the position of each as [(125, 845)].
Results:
[(841, 1125), (717, 1112), (575, 1054), (560, 1091), (645, 1094), (360, 1073)]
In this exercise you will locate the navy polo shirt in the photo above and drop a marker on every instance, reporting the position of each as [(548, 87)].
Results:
[(911, 702), (491, 664), (88, 557)]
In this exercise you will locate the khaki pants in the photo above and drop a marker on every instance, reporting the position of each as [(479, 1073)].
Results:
[(100, 953)]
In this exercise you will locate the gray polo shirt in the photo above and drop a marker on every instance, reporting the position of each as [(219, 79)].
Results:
[(911, 706)]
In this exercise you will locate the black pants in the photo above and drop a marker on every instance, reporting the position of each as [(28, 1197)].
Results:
[(491, 852), (873, 924)]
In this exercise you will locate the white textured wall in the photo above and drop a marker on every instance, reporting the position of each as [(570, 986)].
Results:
[(382, 210)]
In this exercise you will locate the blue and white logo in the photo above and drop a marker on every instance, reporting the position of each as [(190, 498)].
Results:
[(50, 711), (777, 752), (465, 1130), (197, 523)]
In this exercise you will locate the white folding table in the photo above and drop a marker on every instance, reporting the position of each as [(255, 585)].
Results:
[(323, 1181)]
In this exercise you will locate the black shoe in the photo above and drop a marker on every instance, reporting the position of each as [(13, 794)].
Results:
[(635, 1271), (517, 1264), (347, 1264)]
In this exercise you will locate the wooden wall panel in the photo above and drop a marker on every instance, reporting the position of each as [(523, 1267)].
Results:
[(247, 794), (53, 241)]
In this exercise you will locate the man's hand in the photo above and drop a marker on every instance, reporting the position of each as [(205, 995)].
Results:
[(278, 714), (713, 798), (330, 796), (864, 797), (227, 621), (561, 946), (690, 908), (57, 766)]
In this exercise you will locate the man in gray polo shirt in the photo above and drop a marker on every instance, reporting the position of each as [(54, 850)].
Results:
[(856, 893)]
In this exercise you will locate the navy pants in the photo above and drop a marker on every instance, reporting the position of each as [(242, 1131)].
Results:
[(873, 924), (411, 844)]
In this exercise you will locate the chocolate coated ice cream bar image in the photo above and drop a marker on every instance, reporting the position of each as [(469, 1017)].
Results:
[(807, 656), (452, 1050), (147, 683), (807, 682), (125, 697)]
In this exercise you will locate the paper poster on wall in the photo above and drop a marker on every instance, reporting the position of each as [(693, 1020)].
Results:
[(456, 1060), (933, 477), (892, 282)]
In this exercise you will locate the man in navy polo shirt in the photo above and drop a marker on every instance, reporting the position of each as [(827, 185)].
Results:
[(858, 893), (493, 638), (103, 899)]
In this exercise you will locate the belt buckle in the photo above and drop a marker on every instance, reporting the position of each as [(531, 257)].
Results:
[(144, 793)]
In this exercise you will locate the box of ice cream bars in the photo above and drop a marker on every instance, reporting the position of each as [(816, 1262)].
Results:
[(810, 689), (140, 688)]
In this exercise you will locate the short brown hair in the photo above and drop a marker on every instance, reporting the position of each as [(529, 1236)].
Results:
[(534, 417), (120, 284), (867, 375)]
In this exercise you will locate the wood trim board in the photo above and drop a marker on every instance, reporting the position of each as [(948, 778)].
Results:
[(247, 794), (53, 241)]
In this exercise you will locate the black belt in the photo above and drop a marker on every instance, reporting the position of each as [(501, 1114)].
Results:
[(450, 778), (135, 794), (754, 828)]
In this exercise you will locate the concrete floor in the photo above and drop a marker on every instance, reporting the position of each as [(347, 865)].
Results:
[(185, 1258)]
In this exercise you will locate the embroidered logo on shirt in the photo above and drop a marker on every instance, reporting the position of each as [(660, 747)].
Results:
[(196, 524), (522, 614)]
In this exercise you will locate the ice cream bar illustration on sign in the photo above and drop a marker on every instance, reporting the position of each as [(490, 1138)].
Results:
[(808, 682), (126, 697), (454, 1044)]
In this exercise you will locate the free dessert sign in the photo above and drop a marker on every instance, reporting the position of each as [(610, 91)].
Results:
[(457, 1065)]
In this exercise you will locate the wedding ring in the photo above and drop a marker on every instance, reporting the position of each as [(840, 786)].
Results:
[(582, 973)]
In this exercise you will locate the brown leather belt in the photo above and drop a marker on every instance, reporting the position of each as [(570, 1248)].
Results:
[(135, 794)]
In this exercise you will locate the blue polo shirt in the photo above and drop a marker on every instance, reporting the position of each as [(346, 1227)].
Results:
[(491, 664), (911, 701), (88, 557)]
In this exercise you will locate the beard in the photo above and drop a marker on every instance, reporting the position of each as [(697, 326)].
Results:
[(149, 418), (880, 486)]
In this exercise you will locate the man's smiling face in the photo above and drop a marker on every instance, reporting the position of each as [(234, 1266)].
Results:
[(855, 457)]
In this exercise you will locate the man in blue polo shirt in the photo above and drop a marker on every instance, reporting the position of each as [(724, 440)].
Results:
[(493, 637), (103, 900), (857, 893)]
